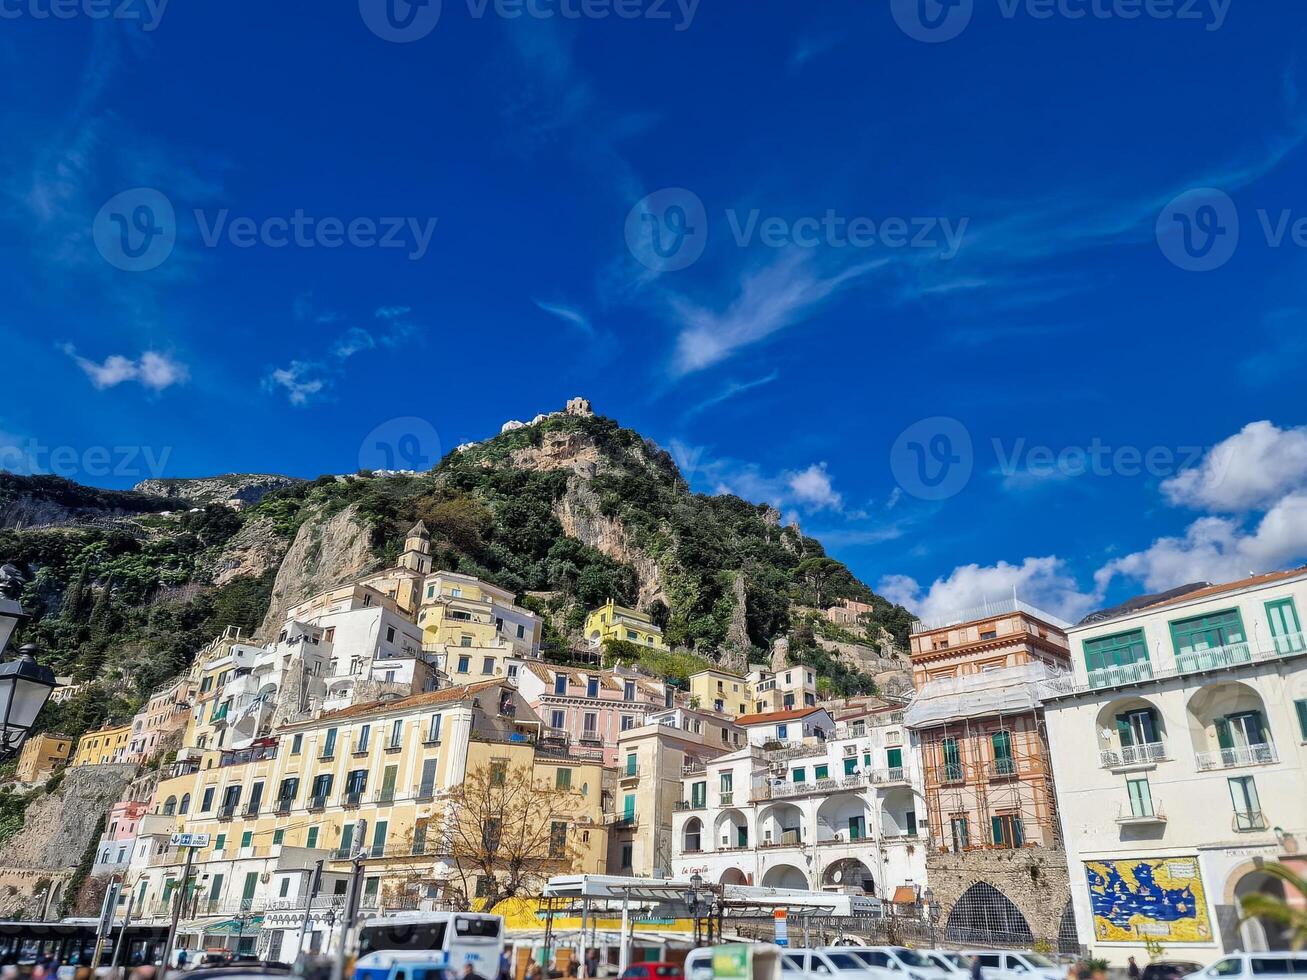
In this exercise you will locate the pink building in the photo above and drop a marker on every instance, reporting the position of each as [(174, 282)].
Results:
[(165, 713), (589, 707), (124, 817)]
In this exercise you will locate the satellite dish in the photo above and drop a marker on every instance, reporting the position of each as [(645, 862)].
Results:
[(1105, 734)]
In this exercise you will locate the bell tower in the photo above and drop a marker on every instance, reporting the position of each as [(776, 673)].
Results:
[(417, 550)]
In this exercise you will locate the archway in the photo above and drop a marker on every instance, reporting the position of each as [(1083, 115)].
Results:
[(731, 830), (780, 824), (1260, 935), (785, 876), (984, 916), (734, 876), (843, 817), (1068, 940), (692, 836), (849, 873)]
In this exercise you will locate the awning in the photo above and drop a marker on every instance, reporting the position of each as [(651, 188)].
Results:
[(905, 895), (232, 927)]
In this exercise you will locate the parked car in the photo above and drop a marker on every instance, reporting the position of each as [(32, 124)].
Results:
[(1015, 965), (1264, 966), (657, 970), (757, 961), (955, 965), (899, 962), (1169, 969)]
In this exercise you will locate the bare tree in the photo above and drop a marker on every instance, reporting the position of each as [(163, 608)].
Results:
[(508, 832)]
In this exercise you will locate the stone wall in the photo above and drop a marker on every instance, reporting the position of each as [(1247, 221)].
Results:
[(1034, 879)]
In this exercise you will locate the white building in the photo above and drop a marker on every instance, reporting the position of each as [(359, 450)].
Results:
[(825, 814), (793, 725), (1180, 748)]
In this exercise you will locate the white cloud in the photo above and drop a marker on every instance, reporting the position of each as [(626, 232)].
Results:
[(1042, 582), (779, 295), (1218, 549), (300, 380), (1251, 470), (813, 488), (152, 370), (567, 314)]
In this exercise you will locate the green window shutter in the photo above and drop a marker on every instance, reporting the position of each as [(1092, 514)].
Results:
[(247, 838), (996, 828), (1301, 707), (821, 772), (312, 839), (220, 843), (849, 766), (251, 883), (1018, 837), (1223, 737), (379, 837), (1124, 731), (278, 836), (346, 837), (215, 888), (799, 774)]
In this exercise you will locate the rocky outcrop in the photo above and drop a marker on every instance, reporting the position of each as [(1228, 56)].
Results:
[(253, 550), (325, 553), (578, 511), (57, 827), (235, 489), (735, 652), (44, 501)]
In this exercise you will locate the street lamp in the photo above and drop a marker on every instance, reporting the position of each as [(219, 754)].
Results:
[(25, 685), (695, 903)]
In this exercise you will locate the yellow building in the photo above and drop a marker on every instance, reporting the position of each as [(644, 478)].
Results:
[(613, 622), (377, 775), (108, 745), (41, 755), (475, 630), (720, 690)]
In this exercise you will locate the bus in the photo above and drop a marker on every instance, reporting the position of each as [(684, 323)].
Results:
[(465, 938)]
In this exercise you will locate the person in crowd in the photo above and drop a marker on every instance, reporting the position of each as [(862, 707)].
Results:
[(1132, 971)]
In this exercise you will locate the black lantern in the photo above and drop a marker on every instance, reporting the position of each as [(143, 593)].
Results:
[(25, 686), (11, 613)]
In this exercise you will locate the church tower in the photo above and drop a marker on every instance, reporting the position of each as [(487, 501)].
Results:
[(417, 550)]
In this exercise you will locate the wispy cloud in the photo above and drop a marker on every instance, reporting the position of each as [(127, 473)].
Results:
[(301, 381), (568, 314), (811, 46), (788, 290), (730, 390), (153, 370)]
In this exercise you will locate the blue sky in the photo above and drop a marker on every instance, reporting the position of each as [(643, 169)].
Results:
[(934, 280)]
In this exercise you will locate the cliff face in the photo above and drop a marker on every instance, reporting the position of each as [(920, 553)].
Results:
[(255, 549), (235, 490), (578, 512), (27, 502), (325, 552), (57, 827)]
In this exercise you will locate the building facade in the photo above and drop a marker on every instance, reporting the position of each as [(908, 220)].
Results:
[(103, 747), (613, 622), (41, 756), (1181, 747), (165, 714)]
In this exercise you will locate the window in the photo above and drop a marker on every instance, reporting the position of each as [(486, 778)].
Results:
[(498, 772), (1301, 708), (627, 853), (1191, 637), (1120, 656), (521, 632), (296, 744), (1285, 627), (1138, 727), (592, 687), (988, 634), (631, 764), (185, 805), (311, 838), (821, 772), (364, 733), (628, 806), (464, 663), (396, 733), (782, 731), (952, 760), (628, 690), (589, 725), (487, 665), (390, 634), (557, 718), (427, 787), (433, 729), (379, 838), (698, 794), (857, 827), (1227, 968), (1242, 738), (285, 887), (1004, 764), (557, 839), (799, 774), (278, 836), (960, 833), (321, 788), (247, 839), (562, 778), (726, 783), (1247, 807), (628, 722), (1141, 797), (329, 747), (220, 843), (1007, 830)]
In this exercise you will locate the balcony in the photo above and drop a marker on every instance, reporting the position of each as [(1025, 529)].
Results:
[(690, 805), (1230, 655), (394, 745), (887, 777), (425, 793), (1140, 816), (694, 768), (1249, 821), (1262, 754), (1002, 769), (353, 798), (630, 774), (1114, 676), (284, 807), (726, 798), (252, 808), (788, 838), (385, 796), (227, 811), (317, 803), (623, 821), (1144, 753)]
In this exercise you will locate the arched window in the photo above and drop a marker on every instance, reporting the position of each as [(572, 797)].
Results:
[(983, 916), (185, 804), (170, 806)]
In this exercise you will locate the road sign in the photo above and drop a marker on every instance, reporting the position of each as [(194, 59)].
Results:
[(189, 840), (781, 917)]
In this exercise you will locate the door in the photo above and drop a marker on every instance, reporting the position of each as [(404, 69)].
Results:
[(894, 760), (1285, 628), (247, 893), (428, 786), (388, 783)]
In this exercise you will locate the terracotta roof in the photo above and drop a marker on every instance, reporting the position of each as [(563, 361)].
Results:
[(770, 716), (446, 695), (1188, 593)]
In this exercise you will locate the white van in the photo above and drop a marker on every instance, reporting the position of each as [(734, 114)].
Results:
[(835, 963), (1015, 965), (1264, 966), (955, 965), (900, 963), (739, 961)]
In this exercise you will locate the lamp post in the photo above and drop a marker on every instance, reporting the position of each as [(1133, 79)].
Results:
[(695, 904), (25, 685)]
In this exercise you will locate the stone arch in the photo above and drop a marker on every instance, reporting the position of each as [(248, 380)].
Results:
[(985, 916), (780, 823), (1130, 730), (1068, 939), (785, 876), (733, 876), (849, 872), (1258, 935)]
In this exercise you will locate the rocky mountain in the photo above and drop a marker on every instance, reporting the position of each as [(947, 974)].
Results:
[(567, 511)]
